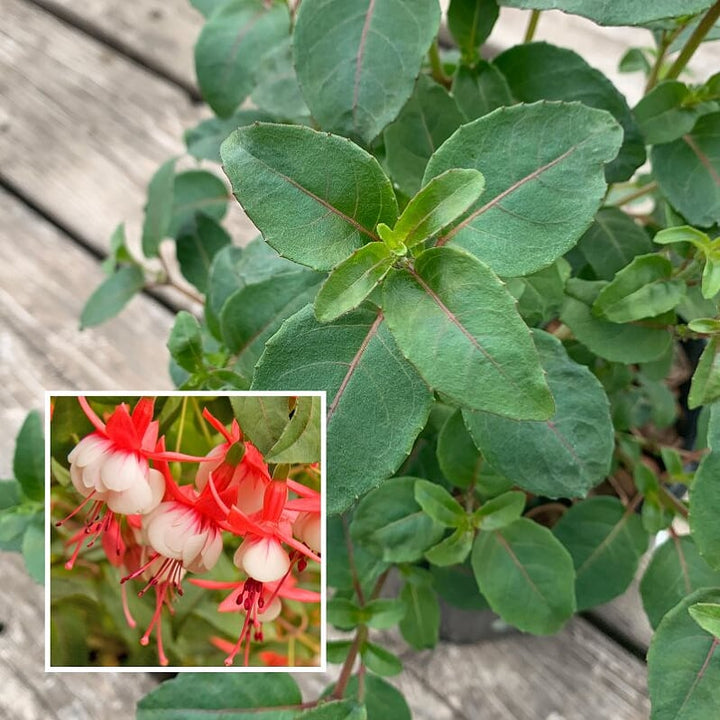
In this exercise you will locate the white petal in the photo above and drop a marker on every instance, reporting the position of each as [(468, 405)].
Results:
[(206, 468), (250, 495), (211, 551), (192, 546), (76, 476), (156, 480), (89, 449), (122, 470), (270, 612), (266, 560), (130, 501), (311, 534)]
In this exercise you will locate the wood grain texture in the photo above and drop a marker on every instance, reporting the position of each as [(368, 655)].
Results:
[(578, 674), (44, 281), (29, 693), (161, 34), (82, 129)]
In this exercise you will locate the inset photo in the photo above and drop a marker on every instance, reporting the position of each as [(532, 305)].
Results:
[(185, 530)]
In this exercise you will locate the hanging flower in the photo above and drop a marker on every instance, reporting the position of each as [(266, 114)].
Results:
[(110, 468), (250, 475)]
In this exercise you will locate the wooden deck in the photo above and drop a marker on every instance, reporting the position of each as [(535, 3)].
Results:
[(94, 97)]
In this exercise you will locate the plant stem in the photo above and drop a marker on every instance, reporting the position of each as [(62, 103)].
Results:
[(436, 65), (532, 26), (703, 28), (347, 668), (650, 187), (357, 586)]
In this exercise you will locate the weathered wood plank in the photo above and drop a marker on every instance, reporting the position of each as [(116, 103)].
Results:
[(161, 34), (83, 128), (578, 674), (28, 692), (45, 279)]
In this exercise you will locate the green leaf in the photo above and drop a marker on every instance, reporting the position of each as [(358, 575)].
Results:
[(501, 511), (675, 571), (343, 49), (453, 550), (204, 140), (618, 12), (380, 660), (705, 384), (255, 312), (612, 341), (564, 456), (277, 90), (684, 665), (300, 441), (606, 542), (481, 360), (159, 208), (526, 575), (9, 494), (439, 203), (543, 293), (230, 48), (456, 585), (470, 22), (683, 233), (111, 296), (29, 458), (459, 459), (233, 268), (428, 118), (262, 418), (352, 281), (383, 614), (118, 251), (705, 508), (421, 624), (196, 246), (390, 523), (540, 161), (612, 241), (342, 357), (539, 71), (301, 189), (634, 60), (480, 89), (185, 342), (195, 695), (13, 524), (337, 651), (33, 548), (645, 288), (707, 616), (206, 7), (196, 191), (439, 504), (343, 613), (688, 171), (368, 566), (381, 699), (663, 115)]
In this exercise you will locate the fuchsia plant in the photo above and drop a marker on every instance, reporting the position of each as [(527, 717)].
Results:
[(157, 530)]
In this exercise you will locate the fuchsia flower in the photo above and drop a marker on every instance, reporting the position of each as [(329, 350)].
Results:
[(261, 554), (110, 468), (259, 602), (250, 476)]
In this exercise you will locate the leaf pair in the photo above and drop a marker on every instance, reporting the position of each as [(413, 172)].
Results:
[(438, 204)]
